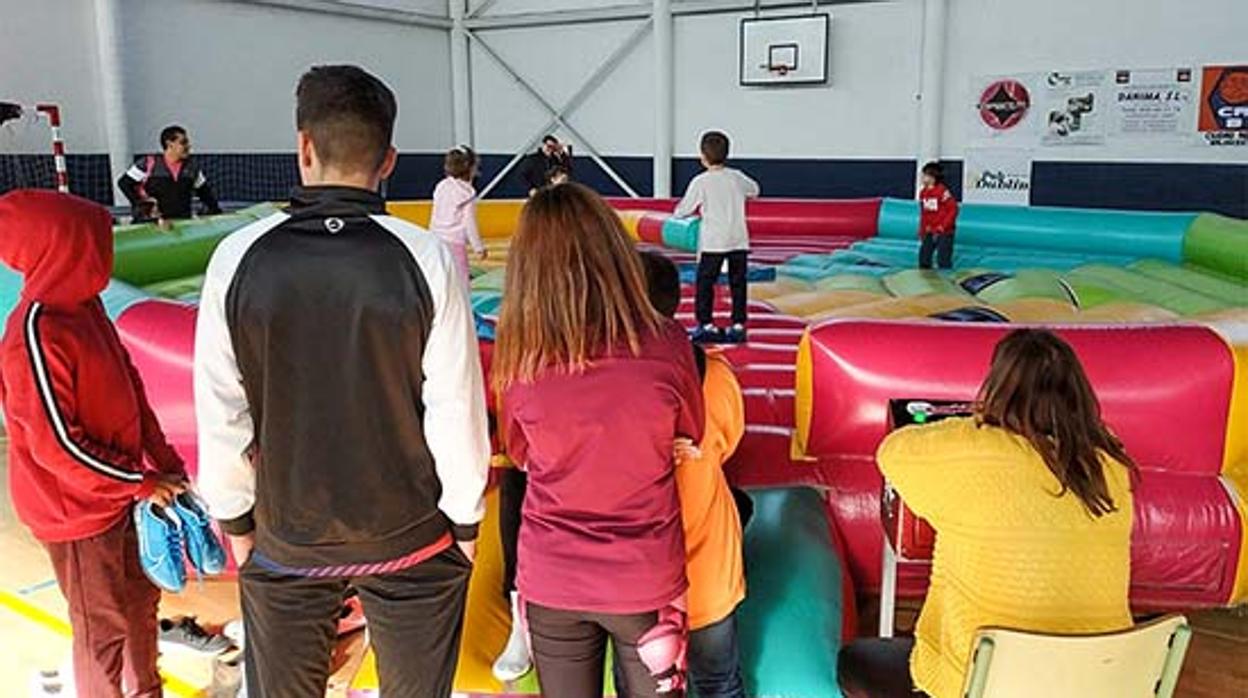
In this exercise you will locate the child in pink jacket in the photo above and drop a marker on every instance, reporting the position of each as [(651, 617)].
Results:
[(454, 216)]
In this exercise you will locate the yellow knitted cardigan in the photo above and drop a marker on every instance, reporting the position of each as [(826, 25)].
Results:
[(1009, 551)]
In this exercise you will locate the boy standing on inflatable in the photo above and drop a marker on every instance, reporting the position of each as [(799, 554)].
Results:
[(937, 216), (341, 410), (720, 194), (79, 429)]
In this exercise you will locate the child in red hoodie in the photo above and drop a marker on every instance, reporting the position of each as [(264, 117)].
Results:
[(79, 426), (938, 214)]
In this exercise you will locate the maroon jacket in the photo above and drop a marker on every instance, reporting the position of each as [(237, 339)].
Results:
[(77, 416), (602, 529)]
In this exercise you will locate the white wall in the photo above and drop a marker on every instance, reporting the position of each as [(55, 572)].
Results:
[(227, 71), (988, 37), (47, 54)]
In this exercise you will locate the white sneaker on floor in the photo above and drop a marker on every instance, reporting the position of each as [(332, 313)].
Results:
[(515, 661)]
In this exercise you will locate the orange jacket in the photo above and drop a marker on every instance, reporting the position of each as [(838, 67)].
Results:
[(712, 527)]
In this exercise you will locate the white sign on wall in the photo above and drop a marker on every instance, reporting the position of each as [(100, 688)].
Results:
[(997, 176), (1154, 104), (1072, 106)]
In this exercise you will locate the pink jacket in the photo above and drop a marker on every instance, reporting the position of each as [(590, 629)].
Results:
[(454, 216)]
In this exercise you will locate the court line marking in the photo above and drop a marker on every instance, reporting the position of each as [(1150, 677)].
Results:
[(60, 626)]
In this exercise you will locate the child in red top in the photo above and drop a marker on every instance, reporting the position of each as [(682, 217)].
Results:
[(937, 216), (79, 427), (597, 387)]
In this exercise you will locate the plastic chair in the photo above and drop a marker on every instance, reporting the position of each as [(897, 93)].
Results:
[(1137, 663)]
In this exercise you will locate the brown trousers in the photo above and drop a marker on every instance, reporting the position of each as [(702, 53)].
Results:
[(112, 611)]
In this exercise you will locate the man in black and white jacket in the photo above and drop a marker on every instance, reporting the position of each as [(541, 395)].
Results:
[(341, 411)]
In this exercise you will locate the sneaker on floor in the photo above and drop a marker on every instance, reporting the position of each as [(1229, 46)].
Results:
[(735, 334), (203, 546), (707, 334), (187, 635), (515, 661), (160, 546)]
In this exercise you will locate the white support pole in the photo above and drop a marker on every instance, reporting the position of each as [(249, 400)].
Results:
[(931, 79), (664, 98), (108, 41), (461, 76)]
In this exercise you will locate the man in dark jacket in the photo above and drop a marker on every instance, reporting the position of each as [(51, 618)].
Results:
[(341, 412), (540, 165), (160, 187)]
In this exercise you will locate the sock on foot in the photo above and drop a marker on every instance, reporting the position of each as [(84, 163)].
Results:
[(514, 661)]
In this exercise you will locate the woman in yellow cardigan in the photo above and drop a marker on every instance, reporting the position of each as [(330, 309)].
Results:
[(1031, 502)]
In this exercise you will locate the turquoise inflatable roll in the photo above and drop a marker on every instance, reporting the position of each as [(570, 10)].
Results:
[(681, 233), (1133, 234), (791, 621)]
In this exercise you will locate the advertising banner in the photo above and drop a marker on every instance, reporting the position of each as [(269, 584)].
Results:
[(1224, 105), (1073, 107), (1154, 104), (997, 176)]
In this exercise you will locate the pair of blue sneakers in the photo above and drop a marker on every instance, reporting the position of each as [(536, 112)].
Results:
[(165, 532)]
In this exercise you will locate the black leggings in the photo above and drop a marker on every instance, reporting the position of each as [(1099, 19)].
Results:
[(511, 488), (942, 245), (709, 264), (877, 668)]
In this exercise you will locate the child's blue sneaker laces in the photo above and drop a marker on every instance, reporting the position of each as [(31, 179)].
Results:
[(203, 547), (160, 546)]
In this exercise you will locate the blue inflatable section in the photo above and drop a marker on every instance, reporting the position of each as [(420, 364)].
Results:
[(1091, 233), (682, 233)]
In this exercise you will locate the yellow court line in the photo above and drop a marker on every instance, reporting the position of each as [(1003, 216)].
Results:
[(60, 626)]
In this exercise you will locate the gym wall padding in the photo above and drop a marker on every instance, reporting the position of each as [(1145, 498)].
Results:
[(791, 623), (1130, 234), (1218, 243)]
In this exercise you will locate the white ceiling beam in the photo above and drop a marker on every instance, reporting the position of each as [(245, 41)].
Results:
[(344, 9)]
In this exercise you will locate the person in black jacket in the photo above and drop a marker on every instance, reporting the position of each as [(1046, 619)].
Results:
[(341, 412), (160, 187), (553, 158)]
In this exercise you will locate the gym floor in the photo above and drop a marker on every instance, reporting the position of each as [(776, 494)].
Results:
[(34, 634)]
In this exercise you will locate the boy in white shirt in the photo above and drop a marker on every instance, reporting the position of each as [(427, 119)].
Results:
[(720, 194)]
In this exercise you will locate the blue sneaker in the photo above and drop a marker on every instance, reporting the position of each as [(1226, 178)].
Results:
[(203, 546), (735, 334), (160, 546), (707, 334)]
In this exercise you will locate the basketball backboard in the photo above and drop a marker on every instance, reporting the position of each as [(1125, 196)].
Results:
[(778, 51)]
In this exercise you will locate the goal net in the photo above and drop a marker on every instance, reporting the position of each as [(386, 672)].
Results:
[(26, 156)]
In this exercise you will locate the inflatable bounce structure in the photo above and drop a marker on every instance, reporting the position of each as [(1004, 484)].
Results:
[(1155, 304)]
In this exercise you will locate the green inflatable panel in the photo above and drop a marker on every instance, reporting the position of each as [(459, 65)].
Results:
[(1090, 293), (1027, 283), (178, 289), (1145, 289), (681, 233), (1218, 243), (851, 282), (145, 254), (790, 624), (492, 280), (1196, 279), (919, 282)]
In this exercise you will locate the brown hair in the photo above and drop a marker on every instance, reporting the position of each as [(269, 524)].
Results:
[(575, 288), (349, 115), (715, 147), (1037, 389), (460, 162)]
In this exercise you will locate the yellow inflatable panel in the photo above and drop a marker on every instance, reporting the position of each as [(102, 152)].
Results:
[(810, 303), (802, 406), (630, 219), (780, 287), (1235, 462), (487, 621), (898, 308), (495, 219)]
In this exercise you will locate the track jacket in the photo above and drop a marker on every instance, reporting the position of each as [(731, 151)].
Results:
[(78, 420), (171, 185), (338, 389)]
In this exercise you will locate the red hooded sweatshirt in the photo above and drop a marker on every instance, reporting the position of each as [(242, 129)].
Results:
[(939, 210), (78, 419)]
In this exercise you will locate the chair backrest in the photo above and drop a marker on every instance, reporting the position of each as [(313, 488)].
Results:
[(1136, 663)]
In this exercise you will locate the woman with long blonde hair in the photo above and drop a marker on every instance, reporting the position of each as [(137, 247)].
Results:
[(596, 388)]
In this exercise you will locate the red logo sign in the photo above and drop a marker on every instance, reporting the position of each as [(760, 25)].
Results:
[(1224, 98), (1003, 104)]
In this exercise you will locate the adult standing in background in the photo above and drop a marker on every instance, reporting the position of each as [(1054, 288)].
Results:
[(160, 187), (552, 157)]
